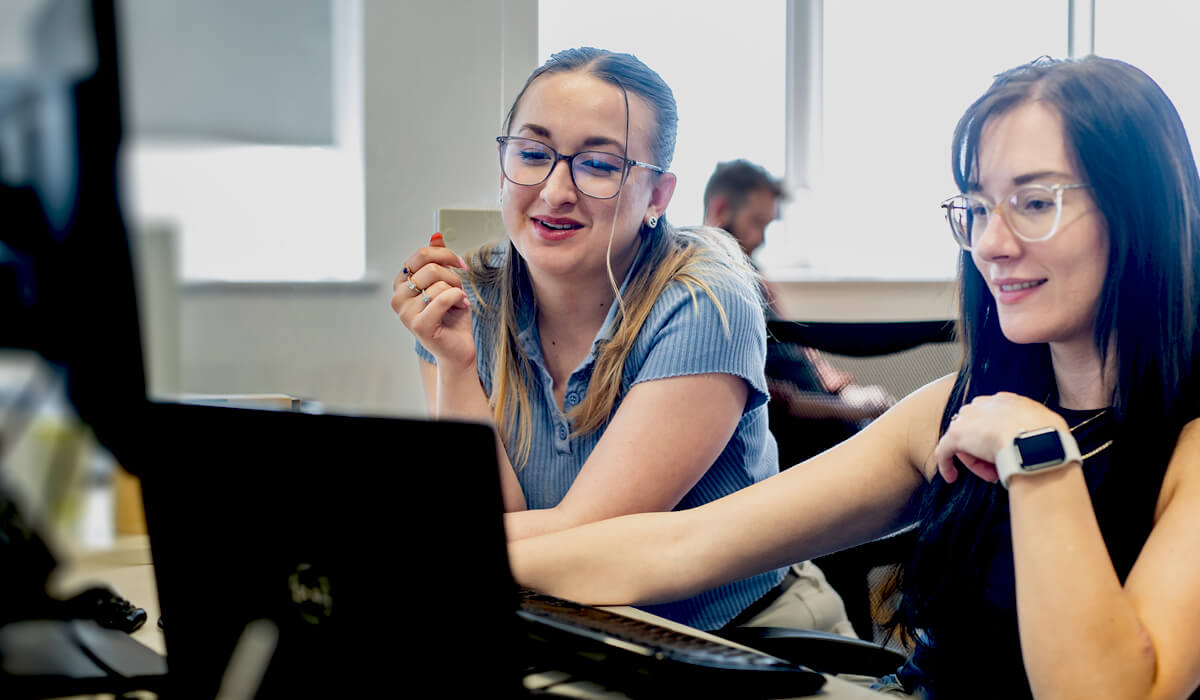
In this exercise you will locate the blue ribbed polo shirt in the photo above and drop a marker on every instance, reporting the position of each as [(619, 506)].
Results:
[(683, 335)]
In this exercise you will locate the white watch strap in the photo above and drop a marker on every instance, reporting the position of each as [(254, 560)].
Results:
[(1008, 459)]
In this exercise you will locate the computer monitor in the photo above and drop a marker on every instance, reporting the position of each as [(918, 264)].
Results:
[(66, 279)]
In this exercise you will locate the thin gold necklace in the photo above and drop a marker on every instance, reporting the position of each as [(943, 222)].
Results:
[(1098, 449), (1089, 420)]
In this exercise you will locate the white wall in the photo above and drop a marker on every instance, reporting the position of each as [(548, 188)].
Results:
[(437, 76)]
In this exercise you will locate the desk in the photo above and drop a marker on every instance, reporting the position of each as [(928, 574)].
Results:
[(128, 568)]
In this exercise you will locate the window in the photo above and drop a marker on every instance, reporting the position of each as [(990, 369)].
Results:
[(244, 133), (895, 77), (888, 85), (724, 62), (1157, 36)]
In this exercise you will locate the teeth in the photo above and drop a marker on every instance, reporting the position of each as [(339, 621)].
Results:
[(557, 227), (1019, 286)]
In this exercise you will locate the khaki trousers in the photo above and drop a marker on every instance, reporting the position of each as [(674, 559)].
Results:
[(807, 602)]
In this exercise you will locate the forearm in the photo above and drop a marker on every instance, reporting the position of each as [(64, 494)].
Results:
[(1080, 633), (460, 394), (571, 513), (812, 509), (519, 525), (634, 559)]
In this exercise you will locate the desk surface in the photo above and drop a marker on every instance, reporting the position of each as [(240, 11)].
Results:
[(128, 568)]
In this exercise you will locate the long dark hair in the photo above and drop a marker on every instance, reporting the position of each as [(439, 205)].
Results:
[(1128, 143)]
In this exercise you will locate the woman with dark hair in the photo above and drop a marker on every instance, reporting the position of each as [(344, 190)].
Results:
[(1054, 481), (620, 358)]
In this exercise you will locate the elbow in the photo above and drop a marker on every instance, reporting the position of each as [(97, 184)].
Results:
[(1129, 669), (1144, 678)]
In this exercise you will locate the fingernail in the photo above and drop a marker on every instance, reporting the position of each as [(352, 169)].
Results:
[(437, 240), (462, 262)]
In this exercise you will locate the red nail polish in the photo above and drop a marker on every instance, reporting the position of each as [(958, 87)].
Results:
[(436, 239)]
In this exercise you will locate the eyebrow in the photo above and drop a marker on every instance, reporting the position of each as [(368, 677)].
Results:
[(1024, 179), (589, 142)]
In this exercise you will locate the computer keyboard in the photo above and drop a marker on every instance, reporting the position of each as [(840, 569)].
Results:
[(651, 658)]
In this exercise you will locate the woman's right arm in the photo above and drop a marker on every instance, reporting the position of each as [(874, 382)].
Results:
[(853, 493), (439, 314)]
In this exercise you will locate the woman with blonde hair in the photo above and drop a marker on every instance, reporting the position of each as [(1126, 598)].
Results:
[(621, 359)]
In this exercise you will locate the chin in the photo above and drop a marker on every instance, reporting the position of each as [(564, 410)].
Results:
[(1024, 333)]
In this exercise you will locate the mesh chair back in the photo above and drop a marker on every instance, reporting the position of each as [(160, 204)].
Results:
[(900, 356)]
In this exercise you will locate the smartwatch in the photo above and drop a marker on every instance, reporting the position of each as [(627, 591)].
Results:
[(1036, 451)]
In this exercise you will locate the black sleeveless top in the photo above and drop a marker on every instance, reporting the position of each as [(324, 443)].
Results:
[(980, 657)]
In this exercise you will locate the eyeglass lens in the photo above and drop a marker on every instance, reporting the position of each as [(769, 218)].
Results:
[(1031, 212), (595, 173)]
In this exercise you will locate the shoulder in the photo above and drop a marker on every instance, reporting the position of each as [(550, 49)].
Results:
[(707, 263), (709, 314), (728, 293)]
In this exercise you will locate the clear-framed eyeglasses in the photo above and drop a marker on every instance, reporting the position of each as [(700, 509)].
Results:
[(597, 174), (1032, 212)]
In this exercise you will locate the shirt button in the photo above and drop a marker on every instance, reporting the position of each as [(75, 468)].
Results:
[(572, 399), (562, 432)]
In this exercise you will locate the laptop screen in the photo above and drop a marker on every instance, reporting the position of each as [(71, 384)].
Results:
[(356, 539)]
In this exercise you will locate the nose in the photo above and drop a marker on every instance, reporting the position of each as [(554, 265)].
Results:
[(997, 240), (559, 190)]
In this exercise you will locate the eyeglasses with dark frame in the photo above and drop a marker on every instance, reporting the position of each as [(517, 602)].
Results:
[(1032, 212), (597, 174)]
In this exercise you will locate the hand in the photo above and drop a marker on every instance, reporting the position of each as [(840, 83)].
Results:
[(428, 297), (984, 426)]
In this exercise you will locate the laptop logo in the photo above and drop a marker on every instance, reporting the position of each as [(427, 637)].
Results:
[(311, 594)]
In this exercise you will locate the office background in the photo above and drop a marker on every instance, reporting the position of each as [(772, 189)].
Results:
[(434, 87), (418, 91)]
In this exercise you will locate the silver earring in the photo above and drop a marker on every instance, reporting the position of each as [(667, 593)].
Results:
[(652, 222)]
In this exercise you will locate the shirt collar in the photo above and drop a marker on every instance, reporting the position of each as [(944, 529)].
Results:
[(526, 312)]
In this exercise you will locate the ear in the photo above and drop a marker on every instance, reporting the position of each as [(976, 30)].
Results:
[(716, 211), (660, 195)]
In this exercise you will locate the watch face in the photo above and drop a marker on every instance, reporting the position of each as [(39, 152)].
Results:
[(1040, 449)]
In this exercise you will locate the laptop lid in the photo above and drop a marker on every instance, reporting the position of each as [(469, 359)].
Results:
[(336, 543)]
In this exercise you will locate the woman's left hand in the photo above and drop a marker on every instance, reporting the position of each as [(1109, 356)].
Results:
[(981, 428)]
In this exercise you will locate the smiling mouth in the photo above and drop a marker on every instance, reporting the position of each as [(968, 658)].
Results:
[(555, 229), (1016, 287), (558, 227)]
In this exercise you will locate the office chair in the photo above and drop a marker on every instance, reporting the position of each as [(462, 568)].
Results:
[(899, 356)]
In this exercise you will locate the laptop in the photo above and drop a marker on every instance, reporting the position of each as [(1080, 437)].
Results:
[(264, 523)]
